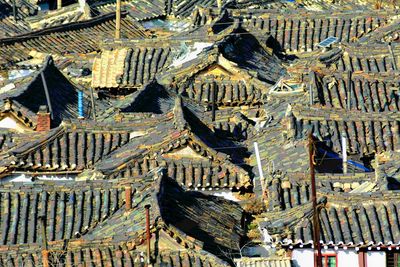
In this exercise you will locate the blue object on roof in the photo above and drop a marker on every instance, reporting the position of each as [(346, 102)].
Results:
[(336, 156), (80, 104), (328, 41)]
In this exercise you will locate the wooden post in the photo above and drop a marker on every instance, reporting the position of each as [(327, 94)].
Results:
[(361, 259), (45, 252), (59, 4), (148, 236), (316, 235), (118, 20)]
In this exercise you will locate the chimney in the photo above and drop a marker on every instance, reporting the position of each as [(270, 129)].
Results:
[(43, 119), (128, 198)]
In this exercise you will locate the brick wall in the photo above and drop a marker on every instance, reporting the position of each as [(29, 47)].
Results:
[(43, 122)]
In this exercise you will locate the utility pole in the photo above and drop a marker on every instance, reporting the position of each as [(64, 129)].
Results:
[(118, 20), (59, 4), (316, 234)]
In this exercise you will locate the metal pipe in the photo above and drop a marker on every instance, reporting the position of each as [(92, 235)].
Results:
[(93, 104), (46, 91), (316, 234), (344, 152), (349, 85), (118, 20), (260, 171), (148, 236), (213, 100)]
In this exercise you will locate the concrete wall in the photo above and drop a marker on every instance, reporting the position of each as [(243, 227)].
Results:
[(346, 258)]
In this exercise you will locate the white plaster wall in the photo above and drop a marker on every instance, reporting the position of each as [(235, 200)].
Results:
[(10, 123), (376, 258), (347, 258), (303, 257)]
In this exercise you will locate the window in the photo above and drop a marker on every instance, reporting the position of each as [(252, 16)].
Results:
[(330, 260), (392, 259)]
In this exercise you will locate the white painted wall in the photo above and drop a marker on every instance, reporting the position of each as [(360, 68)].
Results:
[(10, 123), (346, 258), (303, 257), (376, 258)]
